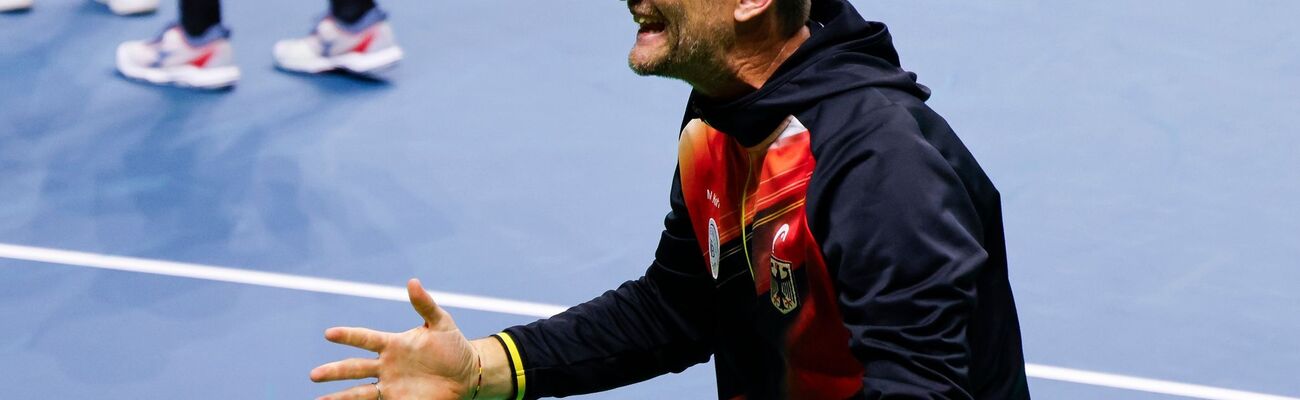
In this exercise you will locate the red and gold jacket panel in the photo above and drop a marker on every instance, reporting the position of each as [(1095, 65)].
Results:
[(780, 333)]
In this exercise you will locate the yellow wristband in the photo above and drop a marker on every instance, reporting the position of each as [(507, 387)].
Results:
[(516, 363)]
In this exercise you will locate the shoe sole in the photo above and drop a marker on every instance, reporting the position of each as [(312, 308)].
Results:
[(16, 7), (123, 10), (364, 64), (184, 76)]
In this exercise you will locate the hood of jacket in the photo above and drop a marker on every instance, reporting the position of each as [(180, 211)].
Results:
[(844, 53)]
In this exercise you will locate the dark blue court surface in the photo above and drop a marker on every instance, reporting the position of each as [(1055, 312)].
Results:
[(1147, 153)]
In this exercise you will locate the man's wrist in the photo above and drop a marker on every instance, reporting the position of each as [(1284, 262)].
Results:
[(498, 374)]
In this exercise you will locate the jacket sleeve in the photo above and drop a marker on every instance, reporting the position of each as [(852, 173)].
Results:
[(645, 328), (903, 240)]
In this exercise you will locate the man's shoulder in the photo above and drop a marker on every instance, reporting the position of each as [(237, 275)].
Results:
[(871, 118), (877, 122)]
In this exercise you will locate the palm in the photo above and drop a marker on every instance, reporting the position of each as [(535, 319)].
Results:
[(433, 361), (427, 363)]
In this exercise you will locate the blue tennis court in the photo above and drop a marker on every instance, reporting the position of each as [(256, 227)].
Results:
[(1146, 153)]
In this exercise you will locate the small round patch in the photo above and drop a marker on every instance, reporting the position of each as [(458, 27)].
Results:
[(715, 249)]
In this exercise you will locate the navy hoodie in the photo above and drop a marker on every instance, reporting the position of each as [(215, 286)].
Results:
[(829, 237)]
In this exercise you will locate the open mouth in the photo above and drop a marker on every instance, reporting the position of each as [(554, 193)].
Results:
[(649, 25)]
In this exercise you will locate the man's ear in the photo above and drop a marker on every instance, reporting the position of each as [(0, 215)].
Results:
[(749, 10)]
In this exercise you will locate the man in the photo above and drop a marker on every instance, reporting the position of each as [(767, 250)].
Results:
[(830, 237), (355, 36)]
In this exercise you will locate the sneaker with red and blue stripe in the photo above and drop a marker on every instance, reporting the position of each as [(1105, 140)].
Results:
[(364, 47), (174, 58)]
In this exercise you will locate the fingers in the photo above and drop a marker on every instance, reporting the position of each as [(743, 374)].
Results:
[(352, 368), (358, 337), (423, 303), (367, 391)]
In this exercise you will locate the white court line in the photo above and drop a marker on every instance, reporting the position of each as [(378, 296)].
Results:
[(1144, 384), (481, 303), (270, 279)]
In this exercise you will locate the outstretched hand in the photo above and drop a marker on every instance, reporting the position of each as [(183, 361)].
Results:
[(433, 361)]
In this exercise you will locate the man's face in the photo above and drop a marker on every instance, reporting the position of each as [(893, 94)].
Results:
[(679, 38)]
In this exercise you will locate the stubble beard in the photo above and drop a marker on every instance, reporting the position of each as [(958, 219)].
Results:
[(691, 57)]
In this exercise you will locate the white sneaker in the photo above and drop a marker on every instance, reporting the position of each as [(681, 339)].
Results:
[(364, 47), (173, 58), (14, 5), (131, 7)]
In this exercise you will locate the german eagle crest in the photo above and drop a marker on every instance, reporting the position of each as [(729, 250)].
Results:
[(782, 288)]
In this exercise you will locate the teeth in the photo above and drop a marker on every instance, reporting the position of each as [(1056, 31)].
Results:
[(642, 20)]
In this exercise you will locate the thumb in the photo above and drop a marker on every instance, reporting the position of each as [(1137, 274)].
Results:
[(423, 303)]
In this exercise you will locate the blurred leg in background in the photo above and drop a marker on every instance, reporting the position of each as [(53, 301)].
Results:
[(355, 36), (197, 16), (350, 11)]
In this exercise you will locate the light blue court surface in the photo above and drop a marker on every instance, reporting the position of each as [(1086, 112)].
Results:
[(1147, 152)]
